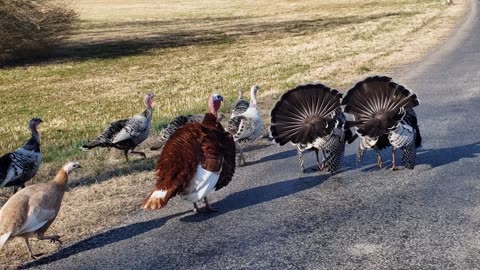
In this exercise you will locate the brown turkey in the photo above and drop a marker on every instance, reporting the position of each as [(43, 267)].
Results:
[(197, 159)]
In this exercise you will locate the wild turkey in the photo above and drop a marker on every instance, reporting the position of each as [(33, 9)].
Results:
[(32, 210), (126, 134), (198, 158), (247, 126), (384, 117), (310, 117), (239, 106), (19, 166), (176, 123)]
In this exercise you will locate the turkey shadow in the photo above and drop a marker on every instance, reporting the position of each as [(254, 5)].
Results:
[(443, 156), (433, 157), (276, 156), (103, 239), (258, 195)]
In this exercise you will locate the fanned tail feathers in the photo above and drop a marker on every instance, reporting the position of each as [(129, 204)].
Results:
[(304, 113), (105, 140), (377, 104)]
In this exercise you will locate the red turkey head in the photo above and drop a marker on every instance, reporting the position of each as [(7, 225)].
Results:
[(148, 99), (214, 103)]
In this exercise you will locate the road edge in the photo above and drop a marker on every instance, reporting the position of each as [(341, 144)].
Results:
[(433, 56)]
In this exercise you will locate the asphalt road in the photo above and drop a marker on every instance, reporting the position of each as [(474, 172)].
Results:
[(273, 217)]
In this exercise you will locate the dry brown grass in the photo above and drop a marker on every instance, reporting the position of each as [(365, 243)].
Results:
[(184, 51)]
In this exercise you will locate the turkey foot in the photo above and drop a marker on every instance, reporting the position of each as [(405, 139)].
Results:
[(36, 255), (139, 153), (208, 207)]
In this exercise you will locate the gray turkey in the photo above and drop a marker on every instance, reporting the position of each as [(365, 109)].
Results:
[(176, 123), (19, 166), (384, 116), (310, 117), (247, 126), (239, 106), (126, 134)]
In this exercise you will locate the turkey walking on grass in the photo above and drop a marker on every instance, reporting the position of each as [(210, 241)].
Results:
[(126, 134), (19, 166), (30, 212), (384, 116), (310, 117), (247, 126), (197, 159)]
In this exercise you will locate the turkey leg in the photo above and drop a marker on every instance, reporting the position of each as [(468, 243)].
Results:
[(300, 160), (394, 166), (379, 158), (30, 250)]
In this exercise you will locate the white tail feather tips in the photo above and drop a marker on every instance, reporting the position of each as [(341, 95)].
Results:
[(4, 238), (160, 194)]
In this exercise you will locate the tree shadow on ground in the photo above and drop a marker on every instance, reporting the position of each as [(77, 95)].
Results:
[(104, 47)]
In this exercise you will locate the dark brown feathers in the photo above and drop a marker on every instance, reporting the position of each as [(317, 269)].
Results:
[(378, 104), (207, 144), (304, 113)]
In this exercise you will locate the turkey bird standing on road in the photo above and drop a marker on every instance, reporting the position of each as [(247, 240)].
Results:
[(239, 106), (126, 134), (18, 167), (247, 126), (310, 117), (198, 158), (384, 116)]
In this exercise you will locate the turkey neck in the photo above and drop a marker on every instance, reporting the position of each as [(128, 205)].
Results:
[(253, 99), (33, 143), (61, 180), (148, 112)]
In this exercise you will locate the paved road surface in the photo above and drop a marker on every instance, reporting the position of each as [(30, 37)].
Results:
[(364, 218)]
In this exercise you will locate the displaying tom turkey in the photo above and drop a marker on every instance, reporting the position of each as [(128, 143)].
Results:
[(239, 106), (247, 126), (19, 166), (309, 116), (384, 116), (197, 159), (126, 134)]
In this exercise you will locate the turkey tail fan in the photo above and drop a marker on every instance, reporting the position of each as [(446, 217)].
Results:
[(377, 103), (304, 113), (105, 139)]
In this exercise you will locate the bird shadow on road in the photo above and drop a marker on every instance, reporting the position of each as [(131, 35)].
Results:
[(276, 156), (443, 156), (258, 195), (433, 157), (103, 239)]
